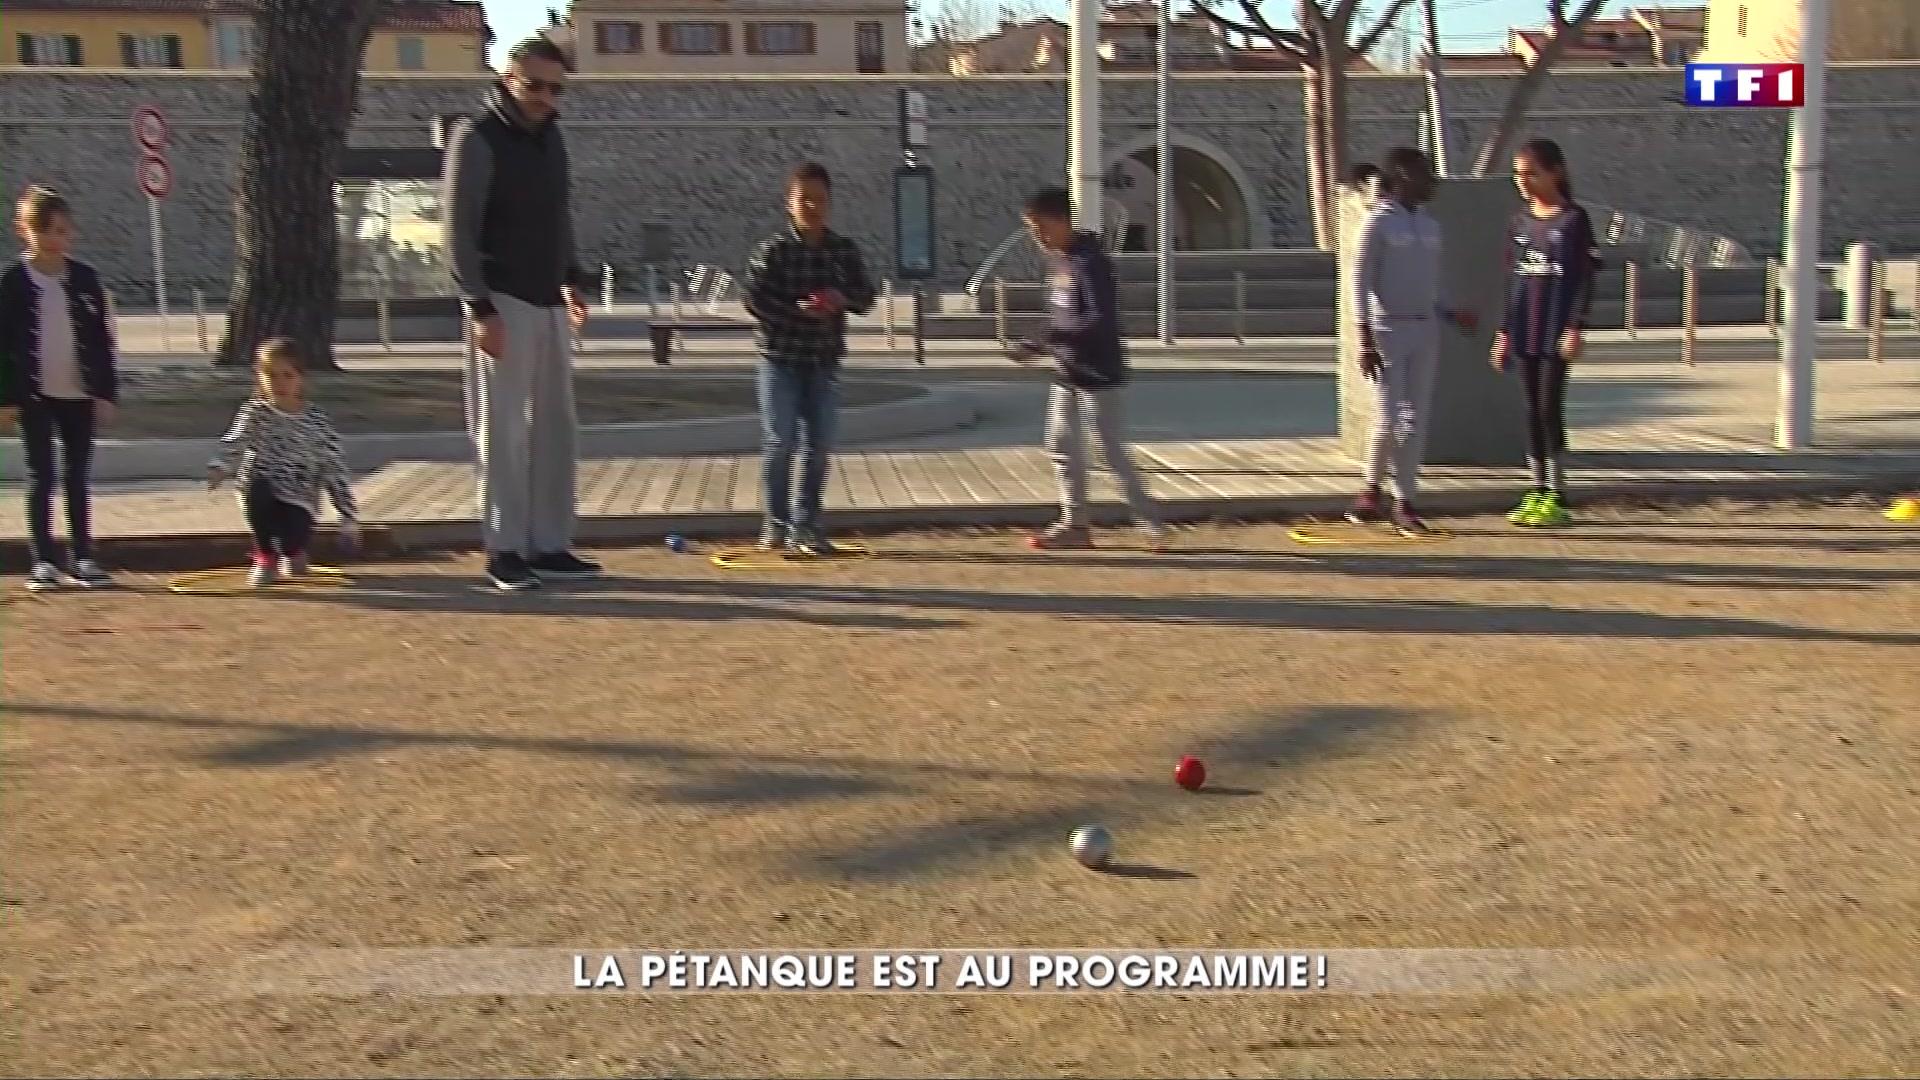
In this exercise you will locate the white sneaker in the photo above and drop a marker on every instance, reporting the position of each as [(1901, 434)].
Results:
[(44, 577), (262, 575), (88, 575)]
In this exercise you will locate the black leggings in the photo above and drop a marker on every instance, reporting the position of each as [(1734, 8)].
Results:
[(279, 527), (1545, 378), (41, 419)]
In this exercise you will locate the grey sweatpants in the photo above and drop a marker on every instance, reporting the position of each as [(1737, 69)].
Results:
[(520, 414), (1067, 410), (1403, 393)]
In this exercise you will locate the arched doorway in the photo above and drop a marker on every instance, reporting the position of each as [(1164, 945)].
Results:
[(1209, 209)]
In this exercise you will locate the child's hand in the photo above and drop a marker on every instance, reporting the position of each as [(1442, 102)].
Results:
[(350, 535), (216, 475), (1499, 356), (1572, 343), (1024, 351), (9, 418), (1371, 361), (103, 411)]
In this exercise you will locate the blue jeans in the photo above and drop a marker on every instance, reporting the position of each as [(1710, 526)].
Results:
[(799, 404)]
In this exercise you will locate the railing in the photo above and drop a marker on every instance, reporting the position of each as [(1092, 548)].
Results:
[(1663, 243)]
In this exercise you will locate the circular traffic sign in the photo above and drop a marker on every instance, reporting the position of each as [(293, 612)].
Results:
[(155, 176), (150, 127)]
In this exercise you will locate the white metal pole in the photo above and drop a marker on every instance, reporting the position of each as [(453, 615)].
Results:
[(159, 273), (1163, 175), (1800, 337), (1084, 166), (1436, 108)]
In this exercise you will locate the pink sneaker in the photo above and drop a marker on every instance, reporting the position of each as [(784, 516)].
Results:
[(1060, 536)]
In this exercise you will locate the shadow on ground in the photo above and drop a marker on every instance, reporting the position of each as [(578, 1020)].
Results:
[(736, 779)]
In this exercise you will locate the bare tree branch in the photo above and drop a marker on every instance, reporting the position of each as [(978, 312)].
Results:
[(1288, 41), (1524, 91), (1387, 19)]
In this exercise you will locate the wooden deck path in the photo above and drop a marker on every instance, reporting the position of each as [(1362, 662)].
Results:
[(642, 498)]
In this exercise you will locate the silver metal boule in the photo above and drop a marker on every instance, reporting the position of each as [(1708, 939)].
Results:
[(1092, 846)]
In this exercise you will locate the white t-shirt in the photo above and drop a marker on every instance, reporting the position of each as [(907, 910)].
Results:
[(59, 351)]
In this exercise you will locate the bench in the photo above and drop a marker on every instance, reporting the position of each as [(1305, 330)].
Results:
[(662, 333)]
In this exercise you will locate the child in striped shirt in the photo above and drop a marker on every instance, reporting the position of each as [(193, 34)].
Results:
[(288, 453)]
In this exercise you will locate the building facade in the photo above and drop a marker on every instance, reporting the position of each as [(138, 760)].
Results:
[(437, 36), (1129, 41), (1640, 37), (1769, 30), (738, 37)]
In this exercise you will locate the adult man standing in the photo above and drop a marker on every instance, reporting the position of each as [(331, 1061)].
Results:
[(509, 234)]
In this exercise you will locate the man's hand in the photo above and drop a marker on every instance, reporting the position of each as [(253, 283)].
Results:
[(103, 412), (9, 418), (1572, 343), (824, 304), (216, 475), (1498, 358), (1370, 360), (350, 536), (490, 335), (576, 308)]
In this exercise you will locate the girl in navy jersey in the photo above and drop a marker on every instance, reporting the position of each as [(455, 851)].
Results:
[(1552, 255)]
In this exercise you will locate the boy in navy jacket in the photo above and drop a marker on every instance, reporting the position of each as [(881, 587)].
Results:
[(1091, 369), (57, 380)]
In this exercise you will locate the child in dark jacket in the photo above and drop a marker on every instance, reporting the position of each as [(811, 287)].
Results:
[(1090, 362), (57, 381)]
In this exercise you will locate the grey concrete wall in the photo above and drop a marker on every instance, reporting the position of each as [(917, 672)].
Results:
[(709, 154)]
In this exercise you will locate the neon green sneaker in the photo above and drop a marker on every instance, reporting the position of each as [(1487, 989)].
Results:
[(1549, 513), (1530, 505)]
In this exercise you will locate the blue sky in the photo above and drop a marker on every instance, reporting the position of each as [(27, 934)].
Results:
[(1465, 25)]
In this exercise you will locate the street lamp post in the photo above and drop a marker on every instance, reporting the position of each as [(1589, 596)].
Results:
[(1083, 113), (1163, 176), (1800, 336)]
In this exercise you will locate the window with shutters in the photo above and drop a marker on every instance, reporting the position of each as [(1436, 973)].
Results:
[(50, 50), (410, 53), (615, 38), (780, 38), (696, 38), (150, 50), (870, 48)]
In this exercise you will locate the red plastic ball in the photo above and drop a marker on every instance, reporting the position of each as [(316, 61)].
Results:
[(1191, 773)]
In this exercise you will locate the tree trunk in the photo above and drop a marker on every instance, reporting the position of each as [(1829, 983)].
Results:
[(1317, 178), (286, 275), (1334, 119)]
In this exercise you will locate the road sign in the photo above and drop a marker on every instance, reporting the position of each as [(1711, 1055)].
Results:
[(150, 128), (913, 120), (155, 175)]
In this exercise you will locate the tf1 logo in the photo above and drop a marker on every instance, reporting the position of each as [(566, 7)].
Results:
[(1746, 86)]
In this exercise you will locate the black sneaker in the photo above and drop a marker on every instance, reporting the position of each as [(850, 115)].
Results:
[(813, 542), (563, 565), (773, 536), (509, 573)]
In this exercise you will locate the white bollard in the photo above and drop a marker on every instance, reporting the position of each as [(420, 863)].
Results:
[(1860, 297), (1689, 311), (606, 287), (1000, 311), (1630, 310), (1240, 306), (886, 310)]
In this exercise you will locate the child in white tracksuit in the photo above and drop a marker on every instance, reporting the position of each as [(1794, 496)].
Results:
[(1399, 296)]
